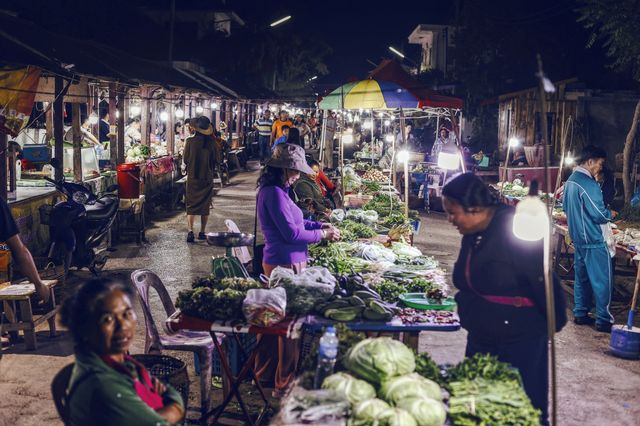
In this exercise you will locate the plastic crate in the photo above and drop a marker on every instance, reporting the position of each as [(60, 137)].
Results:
[(236, 355)]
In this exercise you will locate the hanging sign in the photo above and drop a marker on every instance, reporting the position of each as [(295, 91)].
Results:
[(18, 88)]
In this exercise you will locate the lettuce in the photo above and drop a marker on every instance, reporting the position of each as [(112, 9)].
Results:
[(377, 360), (426, 411), (396, 417), (396, 389), (353, 389)]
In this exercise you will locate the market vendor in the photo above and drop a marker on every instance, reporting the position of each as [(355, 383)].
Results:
[(132, 133), (85, 130), (107, 386), (441, 140), (323, 181), (306, 193), (588, 219), (501, 301), (286, 237)]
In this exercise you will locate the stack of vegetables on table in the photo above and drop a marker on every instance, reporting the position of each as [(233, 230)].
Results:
[(381, 381)]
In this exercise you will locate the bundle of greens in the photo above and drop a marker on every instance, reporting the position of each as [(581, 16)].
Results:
[(351, 231), (370, 187), (483, 366), (395, 218), (336, 257), (391, 289), (384, 204), (427, 368), (490, 402), (215, 299)]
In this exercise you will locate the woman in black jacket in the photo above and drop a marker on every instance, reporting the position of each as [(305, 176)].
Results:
[(501, 298)]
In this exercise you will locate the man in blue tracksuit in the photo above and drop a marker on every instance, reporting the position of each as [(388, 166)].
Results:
[(586, 213)]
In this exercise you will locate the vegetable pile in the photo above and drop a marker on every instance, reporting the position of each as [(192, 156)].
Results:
[(351, 231), (216, 299), (490, 402), (375, 176), (314, 285)]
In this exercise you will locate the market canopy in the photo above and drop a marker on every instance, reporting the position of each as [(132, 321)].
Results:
[(392, 71), (370, 94)]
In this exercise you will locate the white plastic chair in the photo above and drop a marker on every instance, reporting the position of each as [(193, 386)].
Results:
[(242, 253)]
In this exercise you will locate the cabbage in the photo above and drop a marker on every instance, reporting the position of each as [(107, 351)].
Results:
[(396, 417), (426, 411), (377, 360), (355, 390), (396, 389), (368, 411)]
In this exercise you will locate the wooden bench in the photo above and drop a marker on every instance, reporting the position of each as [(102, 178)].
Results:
[(19, 296)]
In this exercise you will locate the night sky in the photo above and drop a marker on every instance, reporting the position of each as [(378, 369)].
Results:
[(357, 31)]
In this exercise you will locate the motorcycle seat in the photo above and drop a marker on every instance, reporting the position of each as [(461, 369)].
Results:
[(98, 211)]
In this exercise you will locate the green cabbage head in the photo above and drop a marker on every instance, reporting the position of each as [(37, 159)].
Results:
[(355, 390), (411, 385), (396, 417), (367, 412), (377, 360), (426, 411)]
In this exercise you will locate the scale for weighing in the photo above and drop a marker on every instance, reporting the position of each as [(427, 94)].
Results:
[(229, 266)]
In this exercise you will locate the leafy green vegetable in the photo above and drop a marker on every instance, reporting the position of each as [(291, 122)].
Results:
[(354, 390), (377, 360), (483, 366), (336, 257), (490, 402), (427, 368), (368, 411), (351, 231), (396, 417), (426, 411), (398, 388)]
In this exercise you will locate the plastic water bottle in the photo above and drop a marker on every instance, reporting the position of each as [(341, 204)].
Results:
[(327, 353)]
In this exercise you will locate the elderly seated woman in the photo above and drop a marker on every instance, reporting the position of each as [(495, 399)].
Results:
[(108, 387)]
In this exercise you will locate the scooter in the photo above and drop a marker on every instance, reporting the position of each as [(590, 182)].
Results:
[(79, 225)]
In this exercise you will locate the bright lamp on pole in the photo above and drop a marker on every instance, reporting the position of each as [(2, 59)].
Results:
[(280, 21), (164, 116), (403, 156), (569, 161), (514, 142), (389, 138), (396, 51), (531, 221)]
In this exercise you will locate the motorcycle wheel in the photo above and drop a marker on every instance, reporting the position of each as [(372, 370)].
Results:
[(97, 265)]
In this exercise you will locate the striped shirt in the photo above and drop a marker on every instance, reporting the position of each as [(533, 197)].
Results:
[(263, 126)]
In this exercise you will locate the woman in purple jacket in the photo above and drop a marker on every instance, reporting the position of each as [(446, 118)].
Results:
[(286, 236)]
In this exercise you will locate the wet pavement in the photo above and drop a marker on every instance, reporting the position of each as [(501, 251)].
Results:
[(594, 388)]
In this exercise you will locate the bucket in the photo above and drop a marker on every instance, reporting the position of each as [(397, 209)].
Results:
[(128, 180), (625, 342)]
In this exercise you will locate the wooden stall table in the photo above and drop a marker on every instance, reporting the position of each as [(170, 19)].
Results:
[(290, 328), (17, 297)]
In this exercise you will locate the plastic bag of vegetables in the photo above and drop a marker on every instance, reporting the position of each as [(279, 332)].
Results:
[(375, 252), (379, 359), (337, 215), (313, 285), (354, 390), (396, 389), (402, 249), (265, 307), (426, 411)]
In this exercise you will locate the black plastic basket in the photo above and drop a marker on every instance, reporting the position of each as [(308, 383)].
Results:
[(168, 370)]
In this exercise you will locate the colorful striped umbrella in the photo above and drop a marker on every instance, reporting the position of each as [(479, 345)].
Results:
[(369, 94)]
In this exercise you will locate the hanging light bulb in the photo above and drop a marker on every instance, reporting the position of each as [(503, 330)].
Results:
[(117, 114), (347, 137), (403, 156), (259, 110), (387, 123), (569, 160), (135, 110), (514, 142), (214, 105), (199, 109), (179, 113), (531, 221), (389, 138), (164, 116), (93, 118)]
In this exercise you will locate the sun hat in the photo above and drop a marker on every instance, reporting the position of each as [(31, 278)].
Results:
[(201, 125), (289, 156)]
